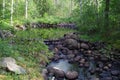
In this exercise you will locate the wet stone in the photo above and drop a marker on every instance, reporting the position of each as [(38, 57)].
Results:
[(86, 65), (105, 74), (115, 72), (106, 78), (71, 75), (59, 73), (84, 46), (77, 58), (79, 55)]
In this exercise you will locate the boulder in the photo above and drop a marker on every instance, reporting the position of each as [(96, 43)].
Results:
[(104, 59), (115, 72), (55, 71), (81, 65), (59, 47), (20, 27), (71, 43), (4, 61), (59, 73), (84, 46), (86, 65), (15, 68), (70, 56), (106, 68), (82, 61), (92, 71), (71, 61), (56, 57), (75, 52), (50, 70), (7, 33), (109, 65), (98, 70), (71, 75), (106, 78), (71, 36), (10, 64), (77, 58)]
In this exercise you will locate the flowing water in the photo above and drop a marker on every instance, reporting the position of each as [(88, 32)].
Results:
[(65, 66), (84, 72)]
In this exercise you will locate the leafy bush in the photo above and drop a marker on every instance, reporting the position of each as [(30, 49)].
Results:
[(4, 25), (5, 48)]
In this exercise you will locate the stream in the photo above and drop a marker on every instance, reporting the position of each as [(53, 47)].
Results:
[(77, 64)]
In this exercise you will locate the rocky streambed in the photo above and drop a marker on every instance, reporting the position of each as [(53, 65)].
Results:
[(76, 59)]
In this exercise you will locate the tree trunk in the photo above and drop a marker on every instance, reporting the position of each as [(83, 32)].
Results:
[(26, 9), (96, 12), (55, 3), (3, 9), (106, 25), (71, 6), (12, 12), (106, 31)]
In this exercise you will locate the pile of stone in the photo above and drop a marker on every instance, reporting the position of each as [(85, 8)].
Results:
[(82, 53), (5, 34), (48, 25)]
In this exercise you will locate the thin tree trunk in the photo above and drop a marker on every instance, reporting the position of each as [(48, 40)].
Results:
[(106, 31), (3, 8), (55, 3), (12, 12), (71, 6), (81, 9), (96, 12), (26, 9), (107, 3)]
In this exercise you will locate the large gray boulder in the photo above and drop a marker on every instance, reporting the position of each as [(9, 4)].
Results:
[(56, 71), (71, 43), (10, 64)]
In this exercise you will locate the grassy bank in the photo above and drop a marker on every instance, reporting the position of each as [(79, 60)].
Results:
[(30, 52)]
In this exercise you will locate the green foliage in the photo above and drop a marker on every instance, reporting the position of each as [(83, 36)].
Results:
[(49, 19), (116, 44), (29, 50), (4, 25), (90, 19), (43, 6), (42, 34), (5, 48)]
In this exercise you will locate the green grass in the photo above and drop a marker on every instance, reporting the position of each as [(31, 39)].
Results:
[(29, 54), (43, 33)]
